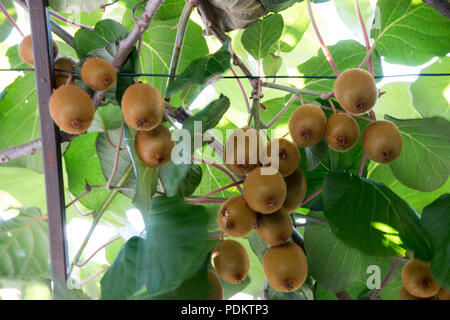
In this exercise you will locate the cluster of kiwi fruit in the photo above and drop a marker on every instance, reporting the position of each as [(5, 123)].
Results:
[(264, 206), (72, 109), (356, 92), (419, 284)]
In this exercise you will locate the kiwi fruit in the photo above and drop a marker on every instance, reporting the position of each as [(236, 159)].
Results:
[(285, 267), (296, 190), (71, 109), (289, 156), (307, 125), (264, 193), (342, 131), (405, 295), (356, 91), (275, 228), (443, 294), (142, 106), (382, 141), (61, 77), (98, 74), (230, 260), (417, 279), (235, 218), (26, 50), (215, 286), (154, 147), (246, 150)]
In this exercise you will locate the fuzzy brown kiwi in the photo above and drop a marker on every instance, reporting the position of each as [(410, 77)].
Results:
[(98, 74), (142, 106), (307, 125), (230, 260), (71, 109), (26, 50), (275, 228), (289, 156), (235, 217), (356, 91), (154, 147), (417, 279), (405, 295), (242, 150), (61, 77), (264, 193), (342, 131), (382, 141), (285, 267), (215, 286), (296, 190)]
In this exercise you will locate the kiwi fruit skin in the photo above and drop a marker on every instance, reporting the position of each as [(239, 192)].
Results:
[(264, 193), (71, 109), (98, 74), (356, 91), (382, 141), (275, 228), (285, 267), (142, 106), (342, 132), (63, 63), (235, 218), (296, 190), (230, 260), (216, 288), (289, 156), (307, 125), (405, 295), (234, 144), (417, 279), (154, 147), (26, 50)]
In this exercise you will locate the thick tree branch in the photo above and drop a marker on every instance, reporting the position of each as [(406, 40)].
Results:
[(442, 6)]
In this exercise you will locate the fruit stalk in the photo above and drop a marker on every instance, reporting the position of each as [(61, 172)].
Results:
[(364, 30), (234, 184), (282, 111)]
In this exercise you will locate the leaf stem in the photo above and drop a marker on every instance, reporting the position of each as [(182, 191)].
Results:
[(234, 184), (295, 91), (116, 159), (80, 265), (312, 196), (282, 111), (10, 19), (364, 30), (73, 23), (391, 272), (247, 102)]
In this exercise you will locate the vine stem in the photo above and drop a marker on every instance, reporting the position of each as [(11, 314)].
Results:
[(282, 111), (178, 46), (221, 168), (234, 184), (391, 272), (68, 21), (80, 265), (10, 19), (364, 30), (325, 50), (296, 91), (99, 215), (247, 102)]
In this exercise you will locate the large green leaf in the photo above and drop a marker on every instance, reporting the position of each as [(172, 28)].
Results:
[(177, 243), (410, 32), (431, 95), (346, 54), (424, 163), (296, 22), (436, 221), (261, 35), (24, 251), (180, 179), (127, 273), (367, 215), (5, 26)]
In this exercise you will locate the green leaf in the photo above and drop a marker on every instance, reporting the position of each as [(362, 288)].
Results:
[(202, 71), (272, 64), (177, 243), (424, 163), (75, 6), (410, 32), (431, 94), (168, 10), (106, 118), (261, 35), (436, 222), (296, 22), (24, 251), (347, 12), (315, 155), (127, 273), (180, 179), (333, 264), (346, 54), (366, 215), (5, 26), (278, 5)]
